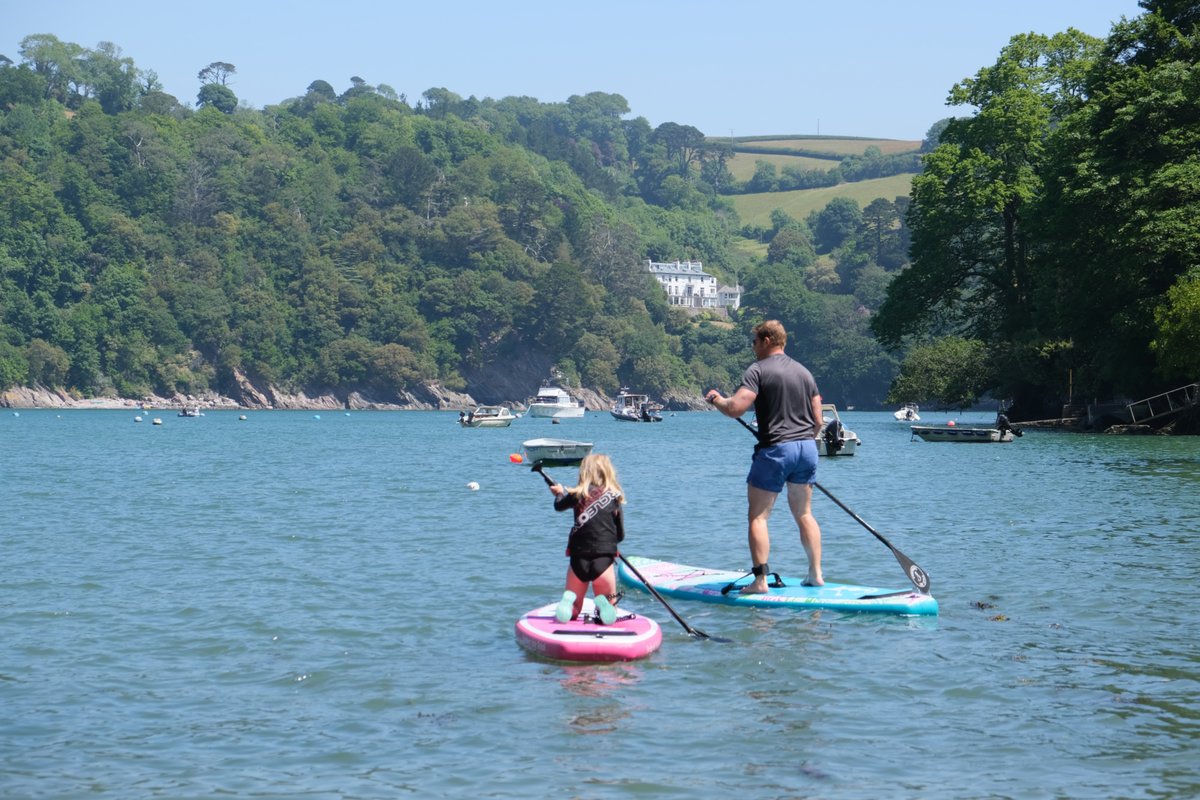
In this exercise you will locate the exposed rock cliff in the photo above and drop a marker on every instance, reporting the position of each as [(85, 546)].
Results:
[(509, 382)]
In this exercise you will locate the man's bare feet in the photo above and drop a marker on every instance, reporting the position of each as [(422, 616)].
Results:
[(811, 581), (759, 586)]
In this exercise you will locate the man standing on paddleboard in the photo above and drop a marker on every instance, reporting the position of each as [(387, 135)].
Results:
[(787, 406)]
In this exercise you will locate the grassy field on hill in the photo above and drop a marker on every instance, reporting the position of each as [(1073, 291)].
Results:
[(755, 209), (741, 166), (835, 147)]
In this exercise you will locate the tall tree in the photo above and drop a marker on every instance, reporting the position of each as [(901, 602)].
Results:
[(971, 245), (1122, 210), (218, 72), (683, 143)]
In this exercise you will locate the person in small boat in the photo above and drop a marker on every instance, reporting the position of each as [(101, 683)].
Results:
[(594, 538), (787, 406), (1004, 425), (835, 437)]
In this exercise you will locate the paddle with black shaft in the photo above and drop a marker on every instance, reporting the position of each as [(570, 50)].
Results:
[(918, 576), (699, 634)]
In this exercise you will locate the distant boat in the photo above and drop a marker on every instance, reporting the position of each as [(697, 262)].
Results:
[(908, 413), (555, 452), (551, 401), (631, 407), (834, 438), (191, 412), (961, 433), (487, 417)]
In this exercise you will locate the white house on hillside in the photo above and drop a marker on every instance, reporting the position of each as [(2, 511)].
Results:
[(688, 285)]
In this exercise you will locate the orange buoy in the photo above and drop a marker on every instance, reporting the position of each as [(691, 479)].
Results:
[(515, 458), (950, 423)]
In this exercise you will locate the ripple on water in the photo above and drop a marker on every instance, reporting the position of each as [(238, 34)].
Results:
[(289, 607)]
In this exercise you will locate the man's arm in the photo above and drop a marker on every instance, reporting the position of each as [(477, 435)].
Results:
[(738, 404)]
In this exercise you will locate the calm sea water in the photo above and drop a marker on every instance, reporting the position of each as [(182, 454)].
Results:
[(292, 606)]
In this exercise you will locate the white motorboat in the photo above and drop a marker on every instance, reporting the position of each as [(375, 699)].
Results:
[(631, 407), (961, 433), (908, 413), (834, 438), (551, 401), (486, 417), (555, 452)]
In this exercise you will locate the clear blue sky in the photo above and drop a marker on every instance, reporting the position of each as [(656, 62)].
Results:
[(856, 67)]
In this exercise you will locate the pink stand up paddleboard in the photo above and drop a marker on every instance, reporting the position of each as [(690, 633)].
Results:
[(583, 639)]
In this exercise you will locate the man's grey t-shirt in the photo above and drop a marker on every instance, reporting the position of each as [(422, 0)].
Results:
[(784, 390)]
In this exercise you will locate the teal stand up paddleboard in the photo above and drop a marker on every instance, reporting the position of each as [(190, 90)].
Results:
[(721, 586)]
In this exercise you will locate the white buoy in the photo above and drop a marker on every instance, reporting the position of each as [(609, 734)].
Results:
[(473, 486), (242, 417), (137, 419), (316, 416)]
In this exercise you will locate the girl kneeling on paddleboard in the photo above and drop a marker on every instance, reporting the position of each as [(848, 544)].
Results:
[(592, 545)]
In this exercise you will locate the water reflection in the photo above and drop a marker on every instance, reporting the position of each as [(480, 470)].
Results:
[(604, 682)]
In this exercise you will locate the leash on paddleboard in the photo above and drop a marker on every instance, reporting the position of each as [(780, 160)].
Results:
[(699, 634), (918, 576)]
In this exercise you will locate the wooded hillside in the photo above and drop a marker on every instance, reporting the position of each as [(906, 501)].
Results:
[(350, 241), (347, 241)]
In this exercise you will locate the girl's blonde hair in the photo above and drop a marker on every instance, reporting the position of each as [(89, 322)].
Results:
[(597, 470)]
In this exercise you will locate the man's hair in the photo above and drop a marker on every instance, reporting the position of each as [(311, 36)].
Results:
[(771, 329)]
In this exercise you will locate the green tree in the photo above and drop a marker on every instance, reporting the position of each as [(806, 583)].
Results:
[(835, 223), (972, 247), (59, 63), (1177, 345), (14, 366), (951, 371), (218, 72), (48, 364), (881, 225), (791, 245), (599, 359), (114, 78), (1122, 212), (684, 145), (218, 96)]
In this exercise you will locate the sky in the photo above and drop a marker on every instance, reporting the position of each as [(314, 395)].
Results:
[(875, 68)]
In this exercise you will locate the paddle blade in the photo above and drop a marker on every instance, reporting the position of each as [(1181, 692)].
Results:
[(918, 576)]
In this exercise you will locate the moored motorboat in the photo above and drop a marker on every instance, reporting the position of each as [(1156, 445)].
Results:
[(908, 413), (486, 417), (834, 438), (555, 402), (631, 407)]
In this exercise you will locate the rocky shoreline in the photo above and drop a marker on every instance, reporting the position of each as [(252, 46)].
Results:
[(431, 397)]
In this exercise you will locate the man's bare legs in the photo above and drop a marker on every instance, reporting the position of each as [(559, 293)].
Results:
[(759, 505), (800, 503)]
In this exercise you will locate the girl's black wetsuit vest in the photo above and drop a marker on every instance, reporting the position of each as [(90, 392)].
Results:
[(599, 527)]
